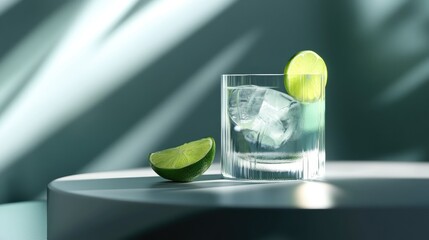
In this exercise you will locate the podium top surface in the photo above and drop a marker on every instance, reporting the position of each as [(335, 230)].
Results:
[(346, 185)]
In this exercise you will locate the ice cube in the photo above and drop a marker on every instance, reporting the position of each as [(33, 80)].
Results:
[(244, 104), (267, 117)]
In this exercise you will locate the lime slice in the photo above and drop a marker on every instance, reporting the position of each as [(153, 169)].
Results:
[(306, 76), (186, 162)]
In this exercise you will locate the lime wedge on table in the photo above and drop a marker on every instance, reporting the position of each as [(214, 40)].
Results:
[(306, 76), (186, 162)]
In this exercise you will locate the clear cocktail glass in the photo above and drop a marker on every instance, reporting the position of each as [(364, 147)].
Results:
[(268, 134)]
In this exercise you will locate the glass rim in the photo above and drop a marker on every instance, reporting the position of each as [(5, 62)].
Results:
[(268, 74)]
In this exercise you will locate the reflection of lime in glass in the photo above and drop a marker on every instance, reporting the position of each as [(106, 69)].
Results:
[(186, 162), (306, 76)]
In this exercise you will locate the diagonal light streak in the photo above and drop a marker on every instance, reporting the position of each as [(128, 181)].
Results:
[(5, 5), (72, 82), (23, 59), (91, 24), (371, 13), (405, 85), (141, 139)]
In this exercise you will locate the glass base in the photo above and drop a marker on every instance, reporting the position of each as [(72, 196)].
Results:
[(311, 165)]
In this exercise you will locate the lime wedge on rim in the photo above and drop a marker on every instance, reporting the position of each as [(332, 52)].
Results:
[(306, 76), (185, 162)]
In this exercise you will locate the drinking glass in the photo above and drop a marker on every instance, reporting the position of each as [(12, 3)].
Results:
[(268, 134)]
